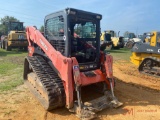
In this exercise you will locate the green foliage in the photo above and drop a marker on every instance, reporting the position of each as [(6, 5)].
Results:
[(3, 29), (42, 28), (7, 19), (4, 21)]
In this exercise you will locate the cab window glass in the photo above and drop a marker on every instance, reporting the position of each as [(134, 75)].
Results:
[(55, 26)]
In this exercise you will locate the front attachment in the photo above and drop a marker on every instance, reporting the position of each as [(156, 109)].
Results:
[(87, 110)]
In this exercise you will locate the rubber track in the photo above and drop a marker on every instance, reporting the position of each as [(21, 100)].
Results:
[(51, 82), (154, 59)]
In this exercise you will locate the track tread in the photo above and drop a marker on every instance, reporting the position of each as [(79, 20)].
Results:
[(51, 82), (153, 59)]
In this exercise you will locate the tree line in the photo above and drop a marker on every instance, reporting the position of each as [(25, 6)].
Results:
[(3, 26)]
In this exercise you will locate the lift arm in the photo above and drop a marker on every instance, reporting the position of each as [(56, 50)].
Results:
[(60, 62)]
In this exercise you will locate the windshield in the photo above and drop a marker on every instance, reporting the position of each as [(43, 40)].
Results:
[(112, 33), (132, 35), (86, 30), (129, 35), (16, 26), (83, 41)]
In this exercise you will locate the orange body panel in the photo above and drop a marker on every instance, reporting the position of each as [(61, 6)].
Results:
[(90, 80), (64, 65)]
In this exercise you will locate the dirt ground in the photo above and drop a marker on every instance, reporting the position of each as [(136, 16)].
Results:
[(139, 93)]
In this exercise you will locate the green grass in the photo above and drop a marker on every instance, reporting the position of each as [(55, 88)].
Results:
[(123, 54), (11, 66), (6, 68), (10, 84), (11, 69), (14, 52)]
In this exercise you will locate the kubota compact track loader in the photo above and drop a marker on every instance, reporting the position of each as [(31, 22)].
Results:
[(65, 61)]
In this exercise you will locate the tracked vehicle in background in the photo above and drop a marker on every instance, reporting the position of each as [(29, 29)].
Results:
[(66, 60), (146, 55)]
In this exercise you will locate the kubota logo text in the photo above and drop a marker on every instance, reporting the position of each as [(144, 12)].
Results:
[(43, 44)]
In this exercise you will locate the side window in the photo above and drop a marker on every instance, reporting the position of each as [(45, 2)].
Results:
[(55, 27), (158, 39)]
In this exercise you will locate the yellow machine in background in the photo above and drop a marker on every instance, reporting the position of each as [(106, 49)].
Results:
[(16, 37), (110, 35), (146, 54), (106, 37)]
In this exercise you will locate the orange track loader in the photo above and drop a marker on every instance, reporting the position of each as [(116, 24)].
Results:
[(67, 60)]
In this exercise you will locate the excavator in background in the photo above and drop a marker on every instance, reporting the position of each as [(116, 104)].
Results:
[(16, 37), (67, 60), (110, 35), (146, 55)]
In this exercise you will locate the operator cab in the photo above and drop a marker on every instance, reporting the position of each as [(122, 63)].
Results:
[(15, 26), (83, 40), (75, 33)]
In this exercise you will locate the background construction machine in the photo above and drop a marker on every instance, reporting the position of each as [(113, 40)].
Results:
[(16, 37), (117, 42), (130, 39), (61, 65), (106, 37), (146, 55)]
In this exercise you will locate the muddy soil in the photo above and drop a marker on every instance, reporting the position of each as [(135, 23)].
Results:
[(139, 93)]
